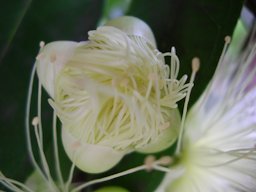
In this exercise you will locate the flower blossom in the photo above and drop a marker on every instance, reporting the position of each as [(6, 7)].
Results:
[(113, 94), (218, 151)]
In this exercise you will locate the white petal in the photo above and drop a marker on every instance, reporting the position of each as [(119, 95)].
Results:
[(51, 59), (167, 137), (91, 158)]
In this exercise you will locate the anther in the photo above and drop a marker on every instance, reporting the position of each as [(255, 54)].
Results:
[(42, 44), (195, 64), (173, 50), (165, 160), (149, 162), (35, 121), (227, 39)]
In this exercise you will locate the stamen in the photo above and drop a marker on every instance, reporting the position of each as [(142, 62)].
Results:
[(42, 44), (165, 160), (227, 39), (162, 169), (127, 172), (195, 68), (225, 48), (149, 162), (9, 185), (173, 50), (158, 165), (70, 176), (56, 151), (29, 144), (42, 156), (39, 98), (237, 156), (35, 121), (13, 185), (195, 64)]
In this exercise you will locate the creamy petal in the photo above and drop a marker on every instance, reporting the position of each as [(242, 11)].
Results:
[(91, 158), (51, 59)]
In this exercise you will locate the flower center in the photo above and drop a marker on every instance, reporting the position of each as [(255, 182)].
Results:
[(117, 91)]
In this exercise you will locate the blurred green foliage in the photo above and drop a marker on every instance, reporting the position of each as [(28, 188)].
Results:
[(113, 9), (194, 27)]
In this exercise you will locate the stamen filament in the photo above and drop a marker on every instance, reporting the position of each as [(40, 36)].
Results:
[(56, 151), (150, 163), (237, 157), (195, 68), (127, 172), (161, 168), (70, 177), (39, 98), (12, 184), (43, 158), (30, 150)]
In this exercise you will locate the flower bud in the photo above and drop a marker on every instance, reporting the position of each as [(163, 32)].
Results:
[(114, 94)]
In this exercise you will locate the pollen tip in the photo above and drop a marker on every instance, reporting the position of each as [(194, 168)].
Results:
[(165, 160), (195, 64), (42, 44), (227, 39), (173, 50), (35, 121), (149, 161)]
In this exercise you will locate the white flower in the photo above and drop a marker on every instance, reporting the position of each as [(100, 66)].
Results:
[(113, 94), (218, 150)]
